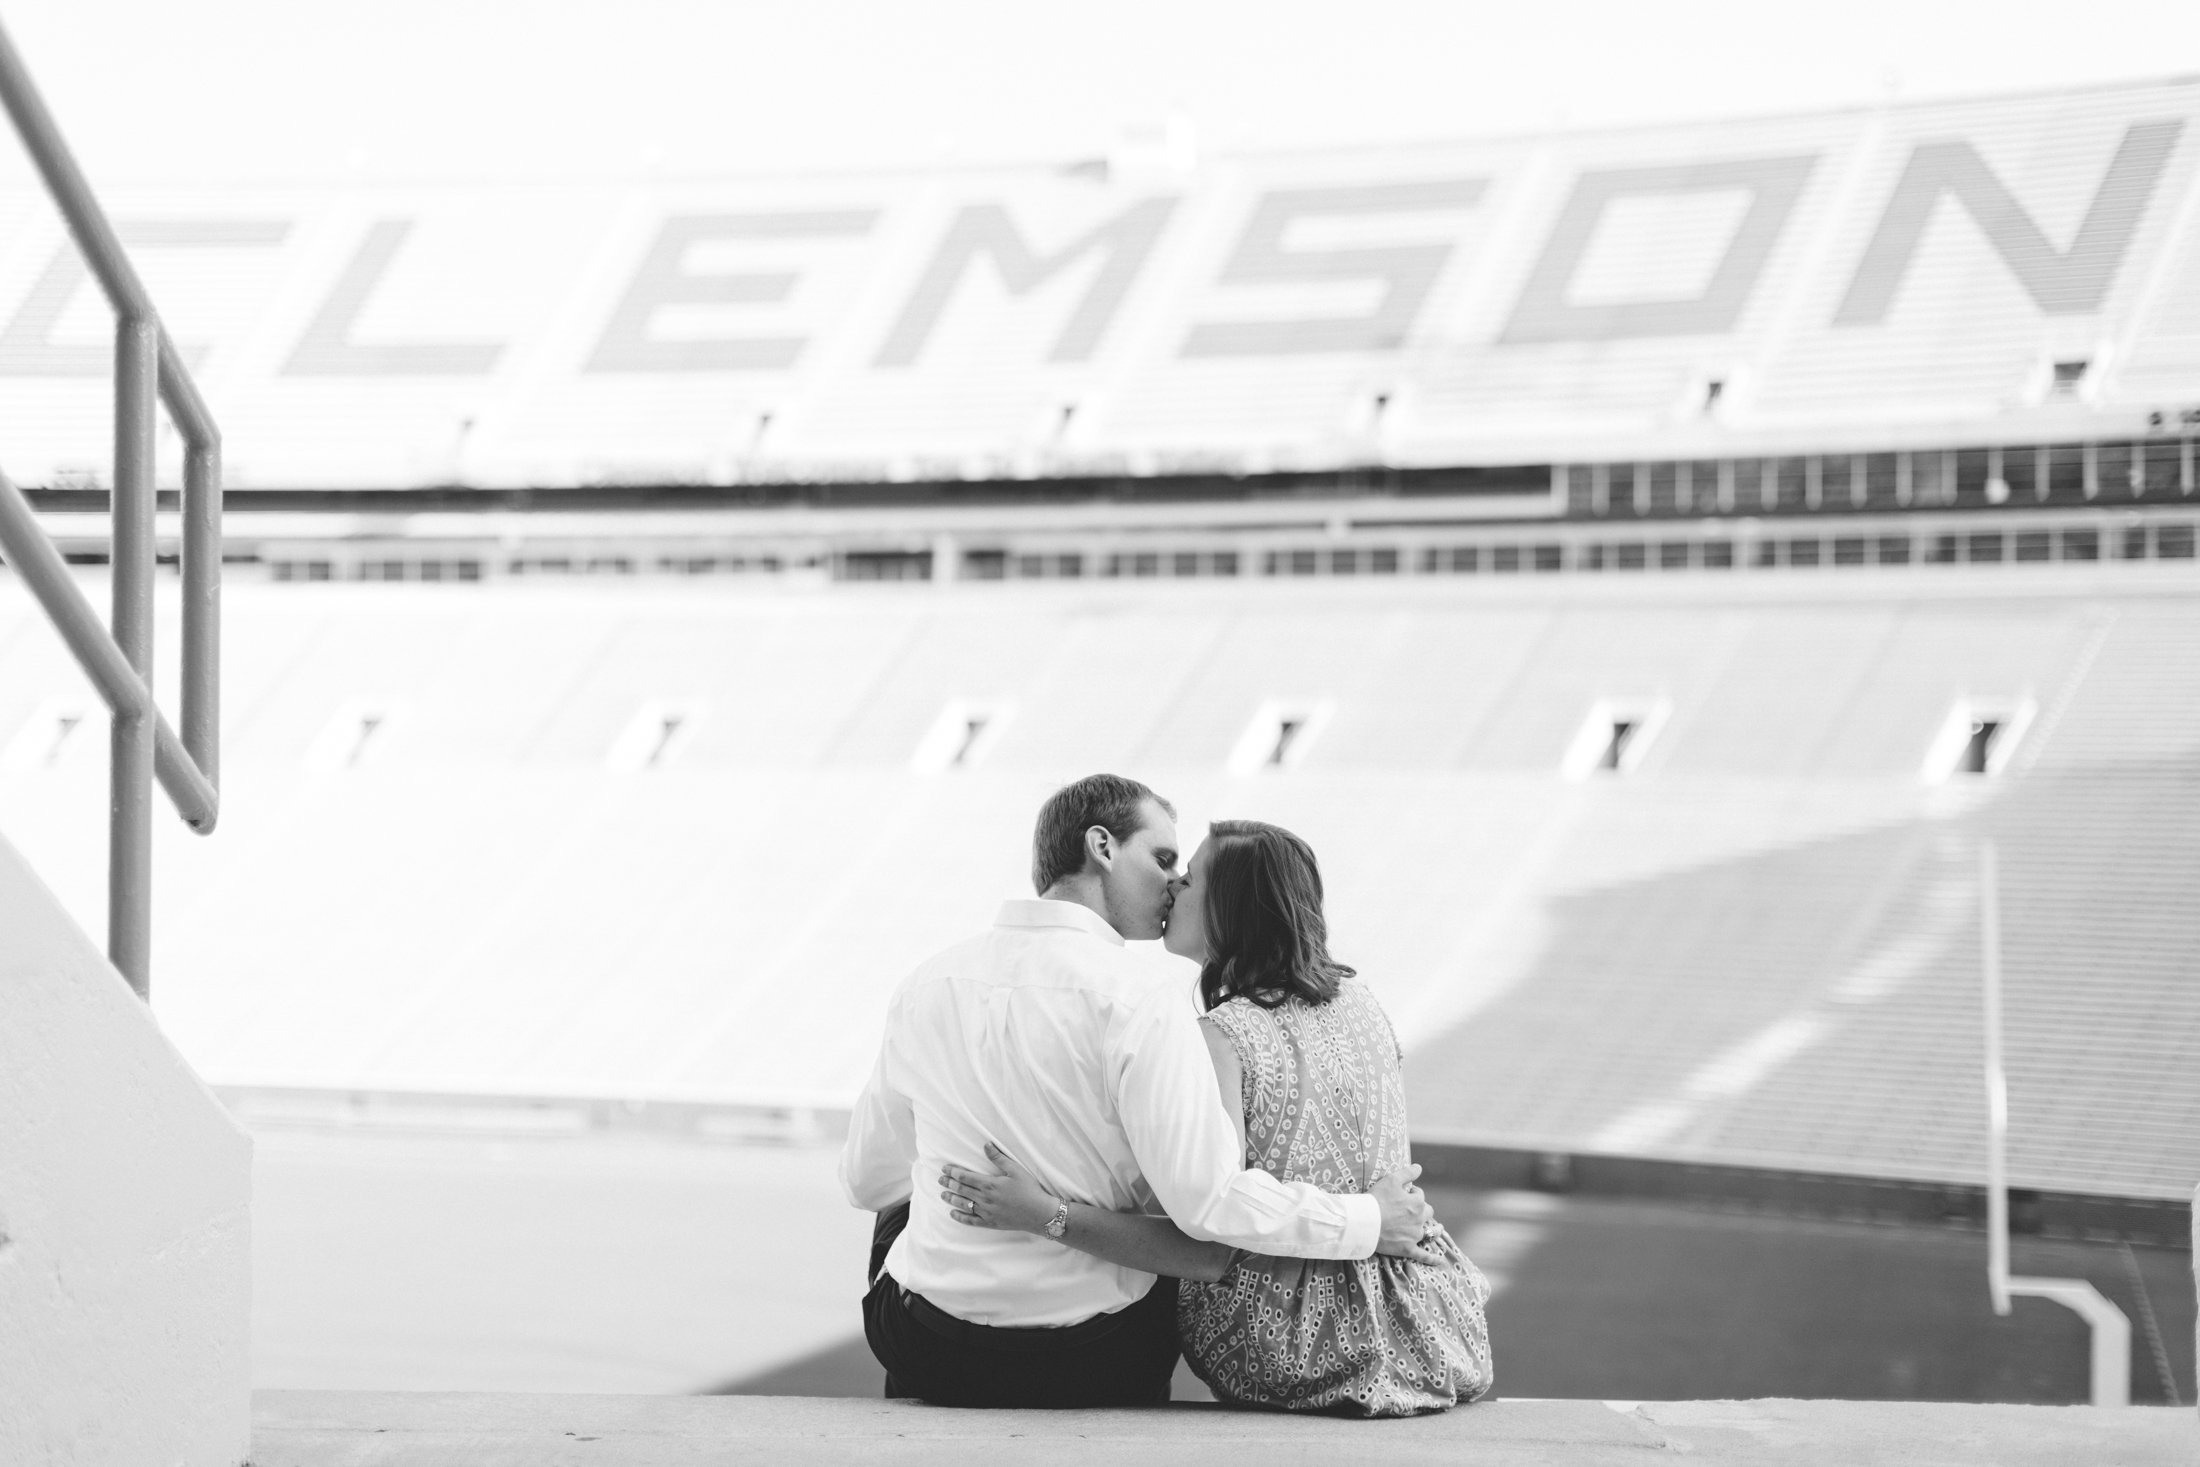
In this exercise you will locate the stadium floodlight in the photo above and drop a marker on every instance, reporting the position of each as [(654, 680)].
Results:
[(2111, 1329)]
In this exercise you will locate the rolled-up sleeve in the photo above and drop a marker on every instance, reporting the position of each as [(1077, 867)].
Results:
[(1188, 1150), (882, 1144)]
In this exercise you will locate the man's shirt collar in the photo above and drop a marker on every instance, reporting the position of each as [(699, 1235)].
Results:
[(1043, 912)]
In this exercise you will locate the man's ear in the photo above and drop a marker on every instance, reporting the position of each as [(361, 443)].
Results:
[(1100, 846)]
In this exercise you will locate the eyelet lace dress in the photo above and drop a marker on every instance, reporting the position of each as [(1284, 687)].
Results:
[(1325, 1102)]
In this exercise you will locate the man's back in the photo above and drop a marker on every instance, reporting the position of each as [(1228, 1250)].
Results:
[(1020, 1037)]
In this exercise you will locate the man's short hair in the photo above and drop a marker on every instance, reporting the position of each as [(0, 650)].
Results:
[(1107, 800)]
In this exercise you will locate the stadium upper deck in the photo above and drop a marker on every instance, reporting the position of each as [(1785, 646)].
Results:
[(1933, 277)]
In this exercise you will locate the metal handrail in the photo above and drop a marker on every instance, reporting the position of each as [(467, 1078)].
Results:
[(148, 371)]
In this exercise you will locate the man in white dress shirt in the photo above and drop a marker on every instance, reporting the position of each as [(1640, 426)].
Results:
[(1048, 1038)]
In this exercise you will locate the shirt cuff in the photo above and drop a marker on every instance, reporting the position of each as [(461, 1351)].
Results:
[(1363, 1225)]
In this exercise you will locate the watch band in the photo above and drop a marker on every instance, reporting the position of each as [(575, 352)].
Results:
[(1059, 1223)]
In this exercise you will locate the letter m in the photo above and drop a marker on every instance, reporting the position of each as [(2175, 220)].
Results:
[(985, 229), (2064, 282)]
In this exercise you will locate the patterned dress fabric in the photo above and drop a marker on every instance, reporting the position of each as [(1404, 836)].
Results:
[(1325, 1103)]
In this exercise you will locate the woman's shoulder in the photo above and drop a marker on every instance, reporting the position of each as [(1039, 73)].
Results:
[(1247, 1023), (1235, 1013), (1359, 1003)]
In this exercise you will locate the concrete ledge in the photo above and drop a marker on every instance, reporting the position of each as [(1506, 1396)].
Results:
[(125, 1217), (360, 1429)]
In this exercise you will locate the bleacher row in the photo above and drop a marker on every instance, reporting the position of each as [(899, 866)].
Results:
[(671, 842)]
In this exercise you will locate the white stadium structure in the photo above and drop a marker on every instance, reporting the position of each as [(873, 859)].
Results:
[(1644, 563), (1913, 278)]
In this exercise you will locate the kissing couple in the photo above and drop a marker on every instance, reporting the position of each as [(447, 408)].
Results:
[(1082, 1168)]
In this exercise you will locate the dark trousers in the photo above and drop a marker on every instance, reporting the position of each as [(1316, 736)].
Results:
[(1119, 1359)]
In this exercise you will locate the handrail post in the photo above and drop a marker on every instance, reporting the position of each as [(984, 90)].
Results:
[(202, 567), (130, 771)]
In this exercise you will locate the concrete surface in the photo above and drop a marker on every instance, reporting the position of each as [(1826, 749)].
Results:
[(328, 1429), (125, 1232), (395, 1262), (388, 1259)]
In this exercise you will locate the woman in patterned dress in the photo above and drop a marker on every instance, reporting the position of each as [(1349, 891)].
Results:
[(1309, 1068)]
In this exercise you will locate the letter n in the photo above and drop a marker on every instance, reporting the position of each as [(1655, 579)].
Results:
[(2065, 282)]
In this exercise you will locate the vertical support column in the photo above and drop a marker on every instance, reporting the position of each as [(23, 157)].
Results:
[(130, 757)]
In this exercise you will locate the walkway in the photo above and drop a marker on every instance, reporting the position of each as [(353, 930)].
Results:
[(347, 1429)]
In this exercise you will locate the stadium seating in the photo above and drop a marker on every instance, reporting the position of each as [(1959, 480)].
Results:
[(1755, 944)]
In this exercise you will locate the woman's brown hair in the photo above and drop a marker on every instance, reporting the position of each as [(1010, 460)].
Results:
[(1267, 939)]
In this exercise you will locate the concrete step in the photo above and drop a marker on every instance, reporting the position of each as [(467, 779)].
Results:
[(368, 1429)]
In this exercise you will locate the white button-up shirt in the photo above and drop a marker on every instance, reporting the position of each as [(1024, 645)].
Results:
[(1049, 1038)]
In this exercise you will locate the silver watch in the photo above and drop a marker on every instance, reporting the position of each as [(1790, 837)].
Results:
[(1059, 1223)]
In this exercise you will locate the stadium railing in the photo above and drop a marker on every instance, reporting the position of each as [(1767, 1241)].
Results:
[(148, 371)]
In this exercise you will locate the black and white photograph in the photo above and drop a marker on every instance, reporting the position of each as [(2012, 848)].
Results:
[(1168, 733)]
